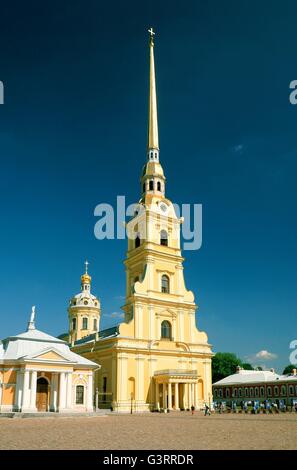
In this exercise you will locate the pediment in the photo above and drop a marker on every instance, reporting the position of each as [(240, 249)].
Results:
[(168, 312), (49, 355)]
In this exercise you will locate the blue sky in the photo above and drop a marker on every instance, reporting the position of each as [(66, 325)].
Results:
[(73, 135)]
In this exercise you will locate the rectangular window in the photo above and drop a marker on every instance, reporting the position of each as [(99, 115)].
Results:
[(79, 395)]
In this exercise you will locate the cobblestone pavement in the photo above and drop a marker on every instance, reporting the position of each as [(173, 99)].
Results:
[(176, 430)]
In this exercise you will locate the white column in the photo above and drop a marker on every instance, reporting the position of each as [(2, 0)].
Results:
[(190, 395), (26, 391), (90, 406), (176, 397), (33, 389), (186, 395), (18, 390), (69, 390), (164, 396), (54, 392), (196, 395), (157, 396), (169, 396), (62, 392)]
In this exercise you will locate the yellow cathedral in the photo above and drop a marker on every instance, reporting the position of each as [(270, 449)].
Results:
[(156, 359)]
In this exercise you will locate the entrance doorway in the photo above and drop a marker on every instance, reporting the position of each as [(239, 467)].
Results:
[(42, 394)]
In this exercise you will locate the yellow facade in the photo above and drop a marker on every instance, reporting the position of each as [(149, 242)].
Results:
[(156, 358)]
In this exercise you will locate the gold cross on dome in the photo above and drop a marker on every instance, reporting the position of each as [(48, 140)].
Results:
[(151, 31), (87, 264)]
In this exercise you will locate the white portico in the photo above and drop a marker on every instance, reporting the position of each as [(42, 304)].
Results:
[(176, 389), (38, 372)]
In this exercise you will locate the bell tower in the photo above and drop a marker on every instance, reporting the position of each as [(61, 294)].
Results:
[(155, 288), (84, 310)]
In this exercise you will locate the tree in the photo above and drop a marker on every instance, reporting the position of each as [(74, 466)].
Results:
[(289, 369), (224, 364), (247, 366)]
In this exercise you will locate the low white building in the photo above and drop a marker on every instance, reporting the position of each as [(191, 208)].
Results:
[(260, 385), (39, 372)]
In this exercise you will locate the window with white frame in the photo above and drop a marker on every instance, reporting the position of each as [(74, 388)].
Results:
[(79, 395)]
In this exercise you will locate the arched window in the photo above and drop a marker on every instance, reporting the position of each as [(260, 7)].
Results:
[(275, 391), (256, 391), (284, 390), (246, 391), (165, 284), (159, 186), (227, 393), (240, 392), (95, 324), (291, 390), (269, 392), (220, 393), (79, 395), (166, 329), (164, 238), (151, 185), (137, 241), (235, 392), (262, 392), (85, 324), (251, 392), (73, 324)]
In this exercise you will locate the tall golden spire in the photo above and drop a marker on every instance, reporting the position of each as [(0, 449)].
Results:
[(153, 138)]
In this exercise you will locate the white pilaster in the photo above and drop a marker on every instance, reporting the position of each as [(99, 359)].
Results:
[(69, 404), (151, 315), (196, 395), (90, 406), (140, 399), (62, 392), (33, 390)]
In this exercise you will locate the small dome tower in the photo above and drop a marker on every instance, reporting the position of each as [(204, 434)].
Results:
[(84, 310)]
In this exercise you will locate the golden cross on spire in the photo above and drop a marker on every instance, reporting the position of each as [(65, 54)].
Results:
[(152, 34)]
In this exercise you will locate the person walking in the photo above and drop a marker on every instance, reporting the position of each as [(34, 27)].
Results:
[(207, 411), (192, 409)]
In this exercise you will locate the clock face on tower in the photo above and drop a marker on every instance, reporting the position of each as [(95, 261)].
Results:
[(163, 207)]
